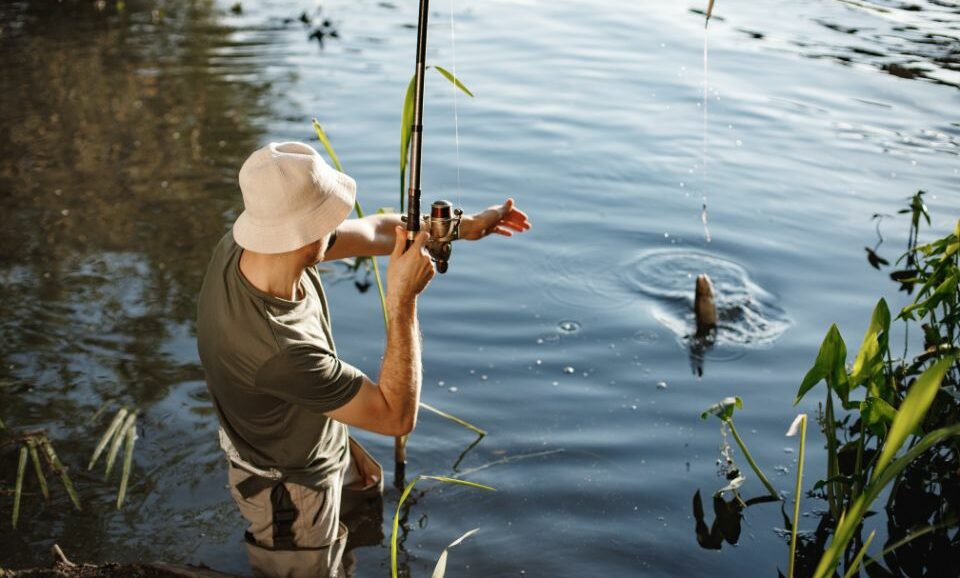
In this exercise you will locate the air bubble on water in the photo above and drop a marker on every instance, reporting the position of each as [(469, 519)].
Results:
[(483, 378), (569, 370), (539, 362), (539, 341), (661, 385), (441, 383), (556, 383), (472, 371), (569, 326), (788, 450), (453, 389), (739, 142)]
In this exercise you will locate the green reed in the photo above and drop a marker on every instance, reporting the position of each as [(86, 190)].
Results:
[(441, 564), (122, 431), (32, 446)]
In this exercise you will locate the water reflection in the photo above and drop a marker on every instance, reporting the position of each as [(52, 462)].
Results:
[(121, 134)]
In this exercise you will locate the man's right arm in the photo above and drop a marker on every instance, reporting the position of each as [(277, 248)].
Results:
[(390, 406)]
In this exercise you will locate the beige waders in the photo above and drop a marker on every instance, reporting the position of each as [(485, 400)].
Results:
[(296, 531)]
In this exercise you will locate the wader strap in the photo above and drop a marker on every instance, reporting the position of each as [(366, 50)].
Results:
[(284, 513)]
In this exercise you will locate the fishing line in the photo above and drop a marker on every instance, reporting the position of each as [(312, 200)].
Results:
[(706, 95), (456, 112)]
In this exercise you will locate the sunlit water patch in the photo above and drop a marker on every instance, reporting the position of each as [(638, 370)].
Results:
[(747, 315)]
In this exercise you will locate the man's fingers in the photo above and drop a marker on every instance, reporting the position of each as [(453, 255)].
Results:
[(506, 208), (401, 242), (502, 231), (420, 240)]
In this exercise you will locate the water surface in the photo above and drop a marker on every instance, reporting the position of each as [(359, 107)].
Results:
[(122, 132)]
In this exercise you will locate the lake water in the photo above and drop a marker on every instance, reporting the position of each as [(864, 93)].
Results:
[(122, 132)]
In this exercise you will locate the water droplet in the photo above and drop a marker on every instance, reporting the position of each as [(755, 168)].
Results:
[(539, 362), (661, 385), (569, 370), (569, 326)]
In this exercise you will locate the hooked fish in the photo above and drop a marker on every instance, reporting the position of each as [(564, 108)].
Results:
[(705, 306)]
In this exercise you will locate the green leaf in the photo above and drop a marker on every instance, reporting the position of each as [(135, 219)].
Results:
[(830, 366), (456, 81), (869, 359), (117, 441), (723, 409), (912, 411), (877, 414), (406, 125)]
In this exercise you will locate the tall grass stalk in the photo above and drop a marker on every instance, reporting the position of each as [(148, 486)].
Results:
[(801, 421), (61, 471), (117, 441), (441, 568), (107, 436), (18, 490), (38, 468), (131, 439), (356, 206), (403, 498)]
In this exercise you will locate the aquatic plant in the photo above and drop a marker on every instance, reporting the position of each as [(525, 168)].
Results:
[(881, 405), (442, 562), (31, 445), (723, 410), (121, 431)]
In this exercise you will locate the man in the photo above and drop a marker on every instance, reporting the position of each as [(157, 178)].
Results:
[(283, 396)]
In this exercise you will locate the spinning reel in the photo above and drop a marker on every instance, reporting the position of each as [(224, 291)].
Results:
[(443, 223)]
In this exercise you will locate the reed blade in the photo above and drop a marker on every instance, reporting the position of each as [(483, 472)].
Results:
[(58, 467), (131, 439), (456, 81), (441, 568), (107, 436), (18, 492), (38, 468), (453, 418), (115, 444), (800, 422), (403, 498), (853, 569)]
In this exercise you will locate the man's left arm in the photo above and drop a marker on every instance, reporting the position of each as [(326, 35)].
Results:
[(374, 235)]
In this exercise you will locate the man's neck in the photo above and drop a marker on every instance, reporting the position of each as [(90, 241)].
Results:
[(277, 275)]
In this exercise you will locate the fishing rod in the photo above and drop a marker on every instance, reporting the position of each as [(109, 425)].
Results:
[(443, 222)]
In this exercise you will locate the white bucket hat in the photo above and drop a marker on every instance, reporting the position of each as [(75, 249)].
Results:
[(291, 198)]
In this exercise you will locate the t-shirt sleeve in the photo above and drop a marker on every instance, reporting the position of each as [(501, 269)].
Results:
[(311, 377)]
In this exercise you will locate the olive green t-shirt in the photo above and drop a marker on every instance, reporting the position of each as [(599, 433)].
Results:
[(273, 371)]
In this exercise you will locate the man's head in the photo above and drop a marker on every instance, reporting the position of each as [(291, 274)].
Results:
[(292, 201)]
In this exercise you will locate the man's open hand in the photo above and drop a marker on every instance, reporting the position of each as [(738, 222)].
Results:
[(502, 219)]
